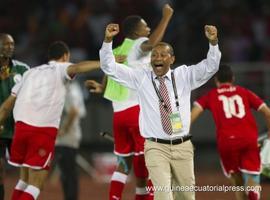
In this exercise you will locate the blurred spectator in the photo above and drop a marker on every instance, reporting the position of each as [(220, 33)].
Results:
[(68, 141), (244, 25)]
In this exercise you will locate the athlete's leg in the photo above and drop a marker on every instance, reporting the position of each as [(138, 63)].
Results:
[(21, 184), (252, 181), (123, 148), (119, 177), (36, 179), (139, 167), (236, 179)]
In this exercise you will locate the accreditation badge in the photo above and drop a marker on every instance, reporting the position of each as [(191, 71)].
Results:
[(176, 122)]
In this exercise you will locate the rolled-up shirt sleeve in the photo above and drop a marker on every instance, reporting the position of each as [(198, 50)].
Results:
[(118, 72), (200, 73)]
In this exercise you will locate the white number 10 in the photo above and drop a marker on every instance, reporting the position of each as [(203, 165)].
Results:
[(229, 106)]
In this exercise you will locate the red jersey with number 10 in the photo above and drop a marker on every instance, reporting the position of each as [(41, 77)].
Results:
[(231, 109)]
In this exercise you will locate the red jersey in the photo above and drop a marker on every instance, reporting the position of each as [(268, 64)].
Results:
[(231, 109)]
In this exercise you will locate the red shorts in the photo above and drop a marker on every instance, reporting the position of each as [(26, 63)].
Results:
[(32, 147), (127, 138), (239, 155)]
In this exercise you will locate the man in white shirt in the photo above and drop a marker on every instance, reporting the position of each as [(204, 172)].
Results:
[(37, 111), (164, 99), (128, 142)]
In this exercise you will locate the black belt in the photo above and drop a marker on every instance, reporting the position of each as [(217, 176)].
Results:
[(172, 142)]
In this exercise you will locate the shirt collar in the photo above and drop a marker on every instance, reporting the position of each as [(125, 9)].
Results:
[(168, 75), (224, 85)]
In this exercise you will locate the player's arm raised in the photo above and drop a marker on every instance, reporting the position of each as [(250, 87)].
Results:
[(159, 31), (265, 110)]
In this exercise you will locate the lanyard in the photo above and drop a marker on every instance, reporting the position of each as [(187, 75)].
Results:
[(174, 90)]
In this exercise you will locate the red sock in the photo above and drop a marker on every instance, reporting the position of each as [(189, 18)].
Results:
[(139, 166), (140, 171), (16, 194), (118, 182), (26, 196), (30, 193), (18, 190), (150, 189), (252, 195)]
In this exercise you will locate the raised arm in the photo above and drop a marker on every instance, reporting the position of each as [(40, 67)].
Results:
[(266, 113), (200, 73), (82, 67), (118, 72), (159, 31)]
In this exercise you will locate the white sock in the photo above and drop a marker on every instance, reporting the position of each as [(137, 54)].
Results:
[(120, 177), (33, 191), (21, 185), (141, 191)]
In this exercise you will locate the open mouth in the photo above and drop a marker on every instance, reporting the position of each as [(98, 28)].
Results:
[(158, 65)]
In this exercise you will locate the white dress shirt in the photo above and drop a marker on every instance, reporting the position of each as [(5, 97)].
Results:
[(187, 78)]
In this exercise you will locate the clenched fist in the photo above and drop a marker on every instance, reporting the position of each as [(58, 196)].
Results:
[(211, 34), (111, 31), (94, 87), (167, 11)]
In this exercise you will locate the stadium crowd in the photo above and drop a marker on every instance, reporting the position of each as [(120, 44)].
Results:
[(244, 25)]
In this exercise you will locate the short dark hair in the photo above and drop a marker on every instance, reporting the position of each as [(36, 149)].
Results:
[(130, 24), (171, 51), (224, 74), (57, 49)]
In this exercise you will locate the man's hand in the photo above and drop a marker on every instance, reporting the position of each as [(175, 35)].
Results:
[(211, 34), (111, 31), (167, 11), (94, 86)]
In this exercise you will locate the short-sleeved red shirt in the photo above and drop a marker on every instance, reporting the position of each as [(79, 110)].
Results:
[(231, 109)]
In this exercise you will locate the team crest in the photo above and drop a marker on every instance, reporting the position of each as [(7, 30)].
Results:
[(42, 152)]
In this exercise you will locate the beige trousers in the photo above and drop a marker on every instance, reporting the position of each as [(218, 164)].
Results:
[(171, 168)]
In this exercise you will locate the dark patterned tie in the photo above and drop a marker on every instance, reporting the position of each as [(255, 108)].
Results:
[(165, 112)]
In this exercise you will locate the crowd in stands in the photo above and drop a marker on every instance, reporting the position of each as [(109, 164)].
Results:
[(244, 26)]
